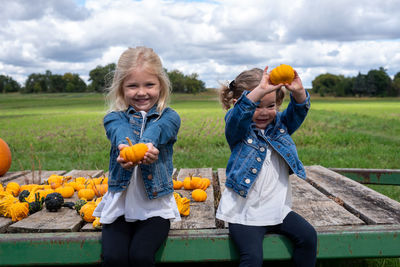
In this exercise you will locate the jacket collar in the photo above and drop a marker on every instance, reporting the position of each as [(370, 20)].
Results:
[(152, 112)]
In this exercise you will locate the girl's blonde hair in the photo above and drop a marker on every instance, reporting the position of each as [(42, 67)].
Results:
[(245, 81), (129, 60)]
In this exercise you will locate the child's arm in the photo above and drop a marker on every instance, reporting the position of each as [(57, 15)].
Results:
[(163, 130), (294, 115), (238, 119), (117, 129)]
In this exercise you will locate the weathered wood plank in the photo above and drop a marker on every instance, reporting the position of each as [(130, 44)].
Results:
[(36, 177), (318, 209), (4, 223), (10, 176), (64, 220), (85, 173), (202, 214), (314, 206), (371, 206)]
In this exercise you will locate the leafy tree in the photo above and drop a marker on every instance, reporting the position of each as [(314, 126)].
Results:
[(325, 84), (35, 83), (98, 77), (396, 84), (360, 87), (378, 83), (8, 84), (74, 83), (186, 83)]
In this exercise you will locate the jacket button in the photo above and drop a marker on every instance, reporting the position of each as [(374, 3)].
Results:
[(282, 130), (247, 181), (258, 159), (154, 194), (262, 149), (279, 146), (287, 155), (241, 192), (249, 140), (136, 132), (254, 171), (150, 177)]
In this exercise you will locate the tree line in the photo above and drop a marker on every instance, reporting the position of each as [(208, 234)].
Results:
[(99, 79), (374, 83)]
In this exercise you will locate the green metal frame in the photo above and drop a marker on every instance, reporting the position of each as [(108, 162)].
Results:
[(371, 176), (214, 244)]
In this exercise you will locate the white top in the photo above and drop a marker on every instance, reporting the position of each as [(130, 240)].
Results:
[(268, 201), (133, 202)]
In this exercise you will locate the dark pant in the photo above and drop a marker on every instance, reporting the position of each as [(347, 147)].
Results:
[(133, 243), (249, 240)]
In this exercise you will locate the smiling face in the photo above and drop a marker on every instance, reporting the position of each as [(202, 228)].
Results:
[(266, 111), (141, 89)]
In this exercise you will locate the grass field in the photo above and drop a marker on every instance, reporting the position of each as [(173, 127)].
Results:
[(64, 132)]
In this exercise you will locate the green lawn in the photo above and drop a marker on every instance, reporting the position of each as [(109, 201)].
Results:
[(64, 132)]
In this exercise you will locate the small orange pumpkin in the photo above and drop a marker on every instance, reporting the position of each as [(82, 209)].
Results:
[(86, 211), (5, 157), (187, 183), (177, 184), (183, 204), (199, 195), (204, 183), (133, 153), (100, 189), (55, 181), (65, 191), (282, 74), (13, 188), (86, 194)]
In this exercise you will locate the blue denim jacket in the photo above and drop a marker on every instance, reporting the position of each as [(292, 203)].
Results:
[(249, 145), (161, 130)]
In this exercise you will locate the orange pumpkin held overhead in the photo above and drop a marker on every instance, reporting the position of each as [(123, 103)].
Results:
[(5, 157), (282, 74), (133, 153)]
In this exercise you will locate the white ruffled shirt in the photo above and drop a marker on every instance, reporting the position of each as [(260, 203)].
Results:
[(133, 202), (268, 201)]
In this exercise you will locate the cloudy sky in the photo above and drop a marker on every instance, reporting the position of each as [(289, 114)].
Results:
[(215, 39)]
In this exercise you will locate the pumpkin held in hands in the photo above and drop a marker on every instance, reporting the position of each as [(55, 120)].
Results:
[(133, 153), (5, 157), (282, 74)]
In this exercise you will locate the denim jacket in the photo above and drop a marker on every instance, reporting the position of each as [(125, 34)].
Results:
[(161, 130), (249, 145)]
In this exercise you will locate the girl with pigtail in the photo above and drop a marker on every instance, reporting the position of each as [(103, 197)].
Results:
[(257, 198)]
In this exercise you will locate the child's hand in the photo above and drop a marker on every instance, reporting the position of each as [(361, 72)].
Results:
[(297, 89), (125, 164), (151, 154), (263, 88)]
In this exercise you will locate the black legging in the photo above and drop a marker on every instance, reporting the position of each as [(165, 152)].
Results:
[(133, 243), (249, 240)]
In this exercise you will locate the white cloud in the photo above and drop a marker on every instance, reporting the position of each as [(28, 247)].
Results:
[(216, 39)]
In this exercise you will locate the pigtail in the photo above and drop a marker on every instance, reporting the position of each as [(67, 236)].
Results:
[(226, 96)]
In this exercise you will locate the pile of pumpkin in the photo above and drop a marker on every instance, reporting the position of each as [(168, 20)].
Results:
[(17, 202), (197, 184)]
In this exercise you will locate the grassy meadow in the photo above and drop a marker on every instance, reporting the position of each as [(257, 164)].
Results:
[(65, 132)]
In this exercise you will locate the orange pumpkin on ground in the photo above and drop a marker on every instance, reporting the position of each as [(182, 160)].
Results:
[(177, 184), (65, 191), (13, 188), (5, 157), (86, 211), (86, 194), (282, 74), (133, 153), (199, 195)]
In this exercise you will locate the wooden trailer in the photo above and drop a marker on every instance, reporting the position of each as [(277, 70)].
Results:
[(352, 221)]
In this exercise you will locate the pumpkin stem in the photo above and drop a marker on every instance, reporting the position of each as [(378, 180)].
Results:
[(129, 141)]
